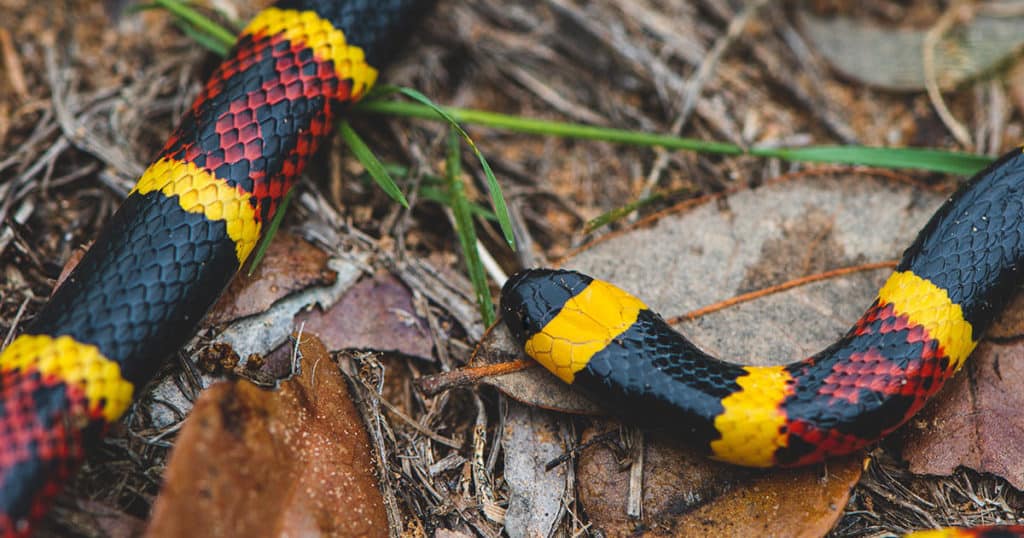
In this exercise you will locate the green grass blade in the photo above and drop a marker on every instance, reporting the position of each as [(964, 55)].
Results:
[(441, 197), (371, 163), (497, 199), (546, 127), (197, 20), (923, 159), (205, 40), (948, 162), (465, 231)]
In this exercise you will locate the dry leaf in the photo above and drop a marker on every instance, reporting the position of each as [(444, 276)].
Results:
[(251, 462), (291, 264), (376, 314), (685, 494), (892, 58), (531, 438)]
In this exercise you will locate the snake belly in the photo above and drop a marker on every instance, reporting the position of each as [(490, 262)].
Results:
[(184, 230), (928, 316)]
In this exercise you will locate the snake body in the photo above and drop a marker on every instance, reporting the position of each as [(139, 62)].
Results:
[(928, 317), (190, 222)]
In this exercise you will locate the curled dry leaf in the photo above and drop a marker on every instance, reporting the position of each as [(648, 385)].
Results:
[(734, 244), (252, 462), (376, 313)]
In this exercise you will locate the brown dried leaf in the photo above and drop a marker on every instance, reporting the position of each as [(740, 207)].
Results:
[(291, 264), (65, 272), (376, 314), (685, 494), (251, 462), (976, 421)]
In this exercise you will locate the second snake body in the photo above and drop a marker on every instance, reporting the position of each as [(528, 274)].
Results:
[(928, 317)]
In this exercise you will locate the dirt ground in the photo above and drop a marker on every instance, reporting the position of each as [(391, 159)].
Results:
[(89, 90)]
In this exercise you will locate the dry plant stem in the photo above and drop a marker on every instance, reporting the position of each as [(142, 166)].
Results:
[(369, 408), (959, 10), (469, 376), (482, 480), (551, 96), (21, 184), (491, 265), (21, 216), (409, 420), (814, 97), (747, 297), (997, 117), (635, 501), (73, 129), (447, 290), (14, 323), (696, 84)]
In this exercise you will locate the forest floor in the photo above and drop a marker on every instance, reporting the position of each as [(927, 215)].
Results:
[(89, 90)]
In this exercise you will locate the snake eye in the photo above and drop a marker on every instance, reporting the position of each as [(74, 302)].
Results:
[(532, 298)]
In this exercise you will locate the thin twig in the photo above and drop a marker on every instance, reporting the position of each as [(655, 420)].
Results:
[(750, 296)]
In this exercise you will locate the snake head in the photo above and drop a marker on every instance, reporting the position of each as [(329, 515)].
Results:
[(532, 298)]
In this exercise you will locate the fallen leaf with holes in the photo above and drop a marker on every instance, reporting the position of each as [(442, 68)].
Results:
[(252, 462), (377, 313), (684, 494), (975, 421), (734, 244), (291, 264)]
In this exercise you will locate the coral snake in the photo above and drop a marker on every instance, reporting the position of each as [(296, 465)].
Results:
[(195, 214), (952, 281)]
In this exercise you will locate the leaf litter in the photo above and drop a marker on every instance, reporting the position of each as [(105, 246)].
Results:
[(107, 73)]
